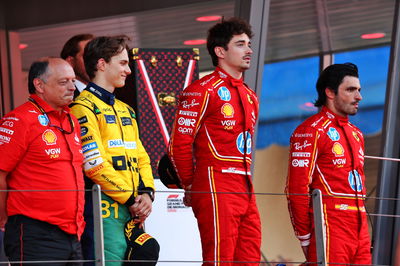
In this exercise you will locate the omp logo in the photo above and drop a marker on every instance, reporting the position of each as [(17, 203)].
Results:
[(186, 121), (300, 163), (89, 147), (113, 143), (185, 130), (53, 153)]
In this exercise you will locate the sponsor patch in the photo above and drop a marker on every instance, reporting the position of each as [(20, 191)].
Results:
[(94, 170), (303, 135), (240, 143), (6, 130), (84, 131), (4, 139), (339, 162), (110, 119), (82, 120), (186, 121), (130, 145), (143, 238), (185, 130), (89, 147), (126, 121), (92, 163), (227, 110), (333, 134), (113, 143), (188, 105), (355, 181), (86, 139), (8, 123), (224, 94), (301, 154), (337, 149), (355, 135), (92, 154), (191, 93), (49, 137), (188, 113), (43, 120), (228, 124), (300, 163), (300, 146), (53, 153)]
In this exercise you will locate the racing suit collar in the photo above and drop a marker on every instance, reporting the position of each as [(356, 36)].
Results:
[(46, 107), (228, 78), (340, 120), (101, 93)]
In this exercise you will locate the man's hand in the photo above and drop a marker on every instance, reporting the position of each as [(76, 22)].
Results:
[(142, 207), (187, 199)]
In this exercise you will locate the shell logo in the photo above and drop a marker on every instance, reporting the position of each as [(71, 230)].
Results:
[(227, 110), (337, 149), (49, 137)]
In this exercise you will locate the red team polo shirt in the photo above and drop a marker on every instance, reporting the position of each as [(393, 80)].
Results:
[(39, 156)]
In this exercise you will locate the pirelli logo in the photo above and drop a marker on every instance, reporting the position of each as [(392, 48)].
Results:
[(143, 238)]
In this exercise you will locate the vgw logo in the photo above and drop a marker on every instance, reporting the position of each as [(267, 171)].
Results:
[(240, 143)]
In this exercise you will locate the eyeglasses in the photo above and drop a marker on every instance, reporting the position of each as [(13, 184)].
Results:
[(71, 123)]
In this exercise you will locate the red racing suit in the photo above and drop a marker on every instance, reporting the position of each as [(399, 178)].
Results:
[(327, 153), (214, 115)]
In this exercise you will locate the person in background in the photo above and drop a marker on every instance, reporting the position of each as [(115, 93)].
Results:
[(327, 153), (214, 124), (72, 52), (114, 156), (41, 166)]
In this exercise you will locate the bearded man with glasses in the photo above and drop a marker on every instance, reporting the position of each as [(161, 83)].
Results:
[(41, 166)]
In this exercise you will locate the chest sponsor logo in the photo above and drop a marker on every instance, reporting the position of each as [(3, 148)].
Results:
[(53, 153), (228, 124), (49, 137), (222, 75), (355, 135), (143, 238), (82, 120), (4, 139), (355, 181), (188, 113), (227, 110), (131, 145), (110, 119), (6, 130), (84, 131), (300, 146), (86, 139), (329, 115), (77, 140), (92, 163), (92, 154), (303, 135), (185, 130), (89, 147), (300, 163), (188, 105), (106, 109), (43, 120), (126, 121), (224, 94), (243, 144), (316, 122), (333, 134), (301, 154), (337, 149), (206, 81), (11, 118), (340, 162), (114, 143), (191, 93), (186, 121)]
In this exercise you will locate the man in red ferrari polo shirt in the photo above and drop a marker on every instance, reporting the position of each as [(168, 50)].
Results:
[(40, 165)]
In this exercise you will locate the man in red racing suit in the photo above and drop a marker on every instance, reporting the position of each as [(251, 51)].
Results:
[(214, 123), (327, 153)]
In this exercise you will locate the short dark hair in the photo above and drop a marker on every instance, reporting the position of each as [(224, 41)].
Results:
[(71, 47), (222, 33), (102, 47), (37, 70), (331, 77)]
